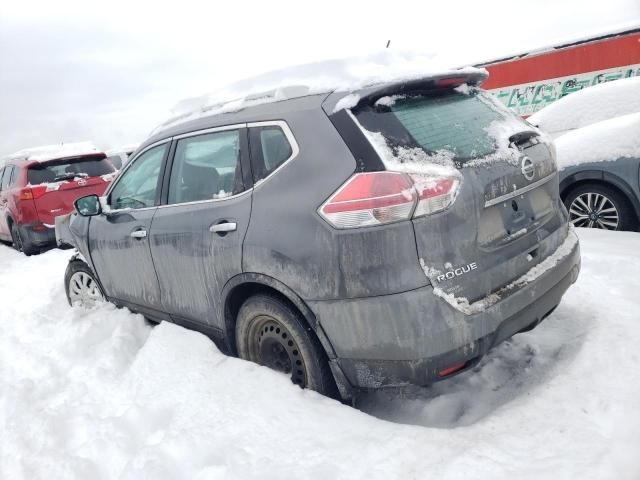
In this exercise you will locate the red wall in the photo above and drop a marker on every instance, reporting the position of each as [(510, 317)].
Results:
[(598, 55)]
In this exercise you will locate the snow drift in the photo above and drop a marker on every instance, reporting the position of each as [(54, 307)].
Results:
[(100, 394)]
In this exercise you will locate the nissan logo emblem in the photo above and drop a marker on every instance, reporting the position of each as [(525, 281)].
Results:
[(527, 169)]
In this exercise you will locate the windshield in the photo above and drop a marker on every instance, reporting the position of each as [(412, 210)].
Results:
[(68, 169), (450, 121)]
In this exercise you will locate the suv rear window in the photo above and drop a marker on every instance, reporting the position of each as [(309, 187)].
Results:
[(452, 121), (68, 169)]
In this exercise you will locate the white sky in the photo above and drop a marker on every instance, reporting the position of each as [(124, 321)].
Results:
[(111, 71)]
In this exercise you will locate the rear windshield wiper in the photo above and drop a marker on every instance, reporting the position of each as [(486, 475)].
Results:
[(524, 139)]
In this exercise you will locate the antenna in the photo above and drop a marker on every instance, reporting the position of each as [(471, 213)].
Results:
[(388, 43)]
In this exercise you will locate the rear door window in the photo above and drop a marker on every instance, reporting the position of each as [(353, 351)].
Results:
[(6, 177), (14, 175), (68, 169), (206, 167), (270, 148)]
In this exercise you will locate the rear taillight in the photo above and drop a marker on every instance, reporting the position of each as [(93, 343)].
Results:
[(32, 193), (376, 198), (434, 194), (26, 194)]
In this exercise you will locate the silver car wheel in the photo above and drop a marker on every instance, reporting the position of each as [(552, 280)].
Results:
[(594, 210), (83, 290)]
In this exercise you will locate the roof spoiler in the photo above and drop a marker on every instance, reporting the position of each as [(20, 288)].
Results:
[(449, 80)]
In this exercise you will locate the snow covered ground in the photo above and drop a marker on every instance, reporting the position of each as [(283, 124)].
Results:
[(100, 394)]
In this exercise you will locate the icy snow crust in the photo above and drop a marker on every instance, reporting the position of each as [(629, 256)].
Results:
[(601, 142), (52, 152), (590, 105), (100, 394), (342, 75)]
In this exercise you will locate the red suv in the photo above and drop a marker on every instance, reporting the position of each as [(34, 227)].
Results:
[(39, 184)]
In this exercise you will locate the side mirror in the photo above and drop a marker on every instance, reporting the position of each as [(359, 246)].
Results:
[(88, 206)]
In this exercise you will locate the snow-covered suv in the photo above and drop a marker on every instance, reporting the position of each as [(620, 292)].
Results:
[(379, 237)]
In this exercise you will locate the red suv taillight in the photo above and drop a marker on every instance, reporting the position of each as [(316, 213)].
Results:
[(30, 193), (376, 198)]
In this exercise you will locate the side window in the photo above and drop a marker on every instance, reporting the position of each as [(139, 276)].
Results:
[(6, 177), (270, 148), (206, 167), (138, 186), (14, 175)]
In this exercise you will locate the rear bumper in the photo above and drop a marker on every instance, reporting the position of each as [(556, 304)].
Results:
[(37, 238), (407, 338)]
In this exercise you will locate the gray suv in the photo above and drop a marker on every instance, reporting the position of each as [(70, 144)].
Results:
[(354, 240)]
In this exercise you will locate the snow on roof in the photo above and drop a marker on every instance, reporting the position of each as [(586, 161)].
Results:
[(603, 141), (348, 74), (590, 105), (51, 152)]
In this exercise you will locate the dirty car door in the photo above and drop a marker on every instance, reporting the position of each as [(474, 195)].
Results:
[(119, 238), (197, 234)]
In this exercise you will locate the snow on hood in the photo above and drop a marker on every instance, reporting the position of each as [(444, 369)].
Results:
[(590, 105), (347, 74), (601, 142), (51, 152)]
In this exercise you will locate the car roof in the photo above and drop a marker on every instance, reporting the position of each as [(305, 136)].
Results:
[(277, 103), (47, 153)]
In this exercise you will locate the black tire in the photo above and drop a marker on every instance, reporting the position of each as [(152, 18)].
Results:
[(19, 244), (269, 332), (624, 211), (76, 266)]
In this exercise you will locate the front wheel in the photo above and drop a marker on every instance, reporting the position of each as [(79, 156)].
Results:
[(270, 333), (81, 286)]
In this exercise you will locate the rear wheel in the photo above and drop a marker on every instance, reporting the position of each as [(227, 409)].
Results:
[(270, 333), (81, 286), (593, 205), (18, 243)]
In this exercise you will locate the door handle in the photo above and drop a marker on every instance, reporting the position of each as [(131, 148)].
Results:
[(223, 227), (139, 234)]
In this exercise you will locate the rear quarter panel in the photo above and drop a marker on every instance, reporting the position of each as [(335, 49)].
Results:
[(289, 241)]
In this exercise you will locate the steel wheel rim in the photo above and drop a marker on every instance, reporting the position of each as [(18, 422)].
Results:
[(594, 210), (271, 345), (83, 290)]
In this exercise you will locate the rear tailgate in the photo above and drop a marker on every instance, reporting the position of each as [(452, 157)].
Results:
[(56, 199), (56, 185), (507, 215)]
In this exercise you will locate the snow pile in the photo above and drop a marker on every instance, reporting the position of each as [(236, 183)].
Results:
[(100, 394), (348, 101), (347, 74), (52, 152), (603, 141), (590, 105)]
